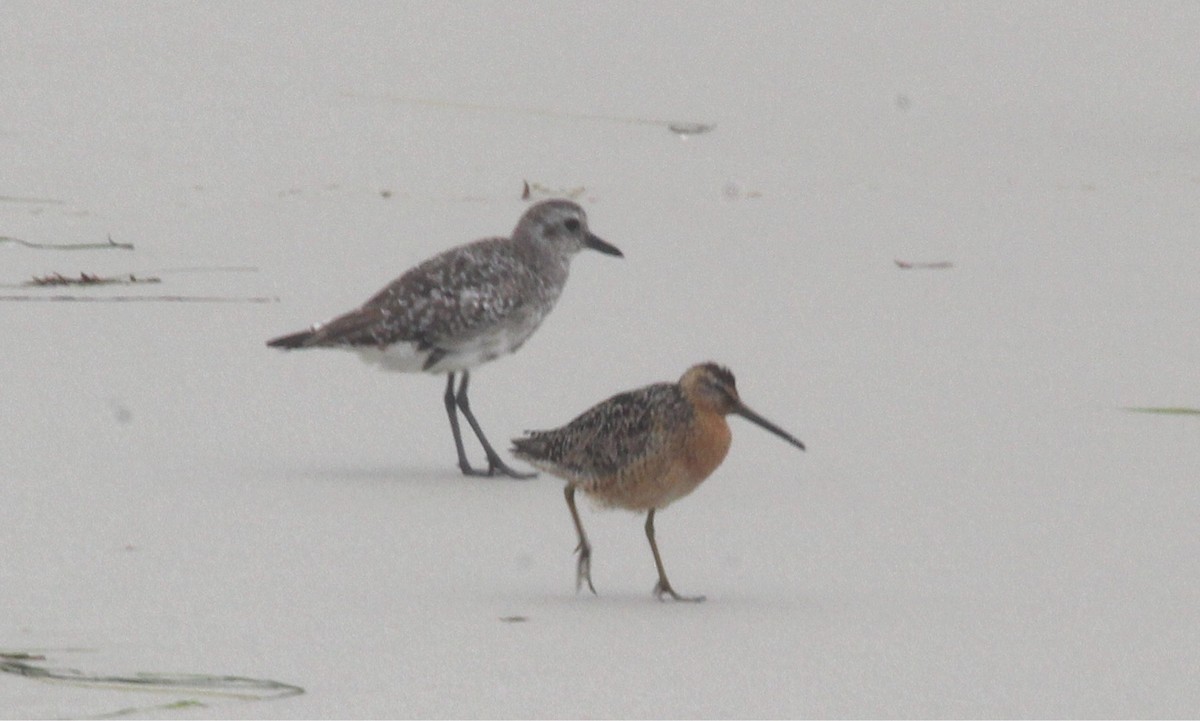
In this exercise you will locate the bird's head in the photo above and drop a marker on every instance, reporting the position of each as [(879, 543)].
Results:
[(563, 226), (711, 387)]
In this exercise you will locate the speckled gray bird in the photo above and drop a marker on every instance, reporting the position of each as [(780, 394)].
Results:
[(464, 307), (642, 450)]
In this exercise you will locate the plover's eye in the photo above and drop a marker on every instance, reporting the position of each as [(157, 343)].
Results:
[(571, 224)]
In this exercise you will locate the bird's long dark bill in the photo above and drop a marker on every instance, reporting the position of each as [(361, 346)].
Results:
[(753, 417), (603, 246)]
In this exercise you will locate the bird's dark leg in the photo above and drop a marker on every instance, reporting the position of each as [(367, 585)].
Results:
[(583, 571), (663, 587), (451, 410), (495, 463)]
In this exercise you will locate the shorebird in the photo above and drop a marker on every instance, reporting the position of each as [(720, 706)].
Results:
[(464, 307), (642, 450)]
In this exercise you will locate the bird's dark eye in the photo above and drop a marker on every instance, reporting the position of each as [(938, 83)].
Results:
[(571, 224)]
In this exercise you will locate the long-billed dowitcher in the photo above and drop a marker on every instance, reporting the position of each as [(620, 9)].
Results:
[(643, 450), (464, 307)]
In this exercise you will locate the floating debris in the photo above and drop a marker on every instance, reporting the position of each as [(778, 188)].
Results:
[(514, 619)]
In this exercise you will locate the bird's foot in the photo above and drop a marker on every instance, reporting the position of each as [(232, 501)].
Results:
[(499, 467), (583, 569), (496, 467), (663, 590)]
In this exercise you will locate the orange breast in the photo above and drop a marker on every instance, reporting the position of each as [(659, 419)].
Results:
[(706, 446), (703, 449), (671, 474)]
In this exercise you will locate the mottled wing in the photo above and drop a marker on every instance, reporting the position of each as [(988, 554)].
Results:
[(440, 303), (358, 327), (448, 300), (610, 436)]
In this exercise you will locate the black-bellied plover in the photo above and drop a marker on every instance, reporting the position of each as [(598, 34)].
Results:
[(464, 307), (642, 450)]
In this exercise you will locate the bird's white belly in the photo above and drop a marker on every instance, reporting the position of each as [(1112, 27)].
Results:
[(408, 358), (398, 357)]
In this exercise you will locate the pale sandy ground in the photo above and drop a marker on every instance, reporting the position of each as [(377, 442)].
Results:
[(978, 528)]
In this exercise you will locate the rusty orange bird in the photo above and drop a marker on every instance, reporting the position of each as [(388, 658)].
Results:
[(642, 450)]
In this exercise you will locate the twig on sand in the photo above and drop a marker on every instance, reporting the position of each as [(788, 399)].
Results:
[(69, 246), (939, 265), (531, 189), (89, 279), (1165, 410), (228, 686), (137, 299)]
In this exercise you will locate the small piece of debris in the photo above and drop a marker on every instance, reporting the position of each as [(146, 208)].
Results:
[(939, 265), (55, 279), (531, 189), (225, 686), (733, 191), (514, 619), (22, 656), (68, 246), (120, 412), (690, 128), (1166, 410), (135, 299)]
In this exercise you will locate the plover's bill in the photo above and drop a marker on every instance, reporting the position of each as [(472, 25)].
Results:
[(464, 307), (642, 450)]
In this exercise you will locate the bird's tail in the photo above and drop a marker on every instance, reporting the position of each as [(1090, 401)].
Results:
[(292, 340), (529, 446)]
